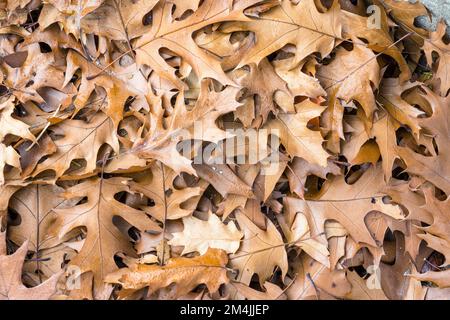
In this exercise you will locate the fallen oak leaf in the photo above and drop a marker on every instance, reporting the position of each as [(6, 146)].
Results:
[(11, 287), (185, 273), (360, 289), (180, 202), (350, 76), (301, 24), (130, 15), (437, 45), (296, 230), (348, 204), (314, 281), (10, 125), (223, 179), (67, 13), (8, 156), (197, 123), (437, 234), (273, 292), (405, 14), (35, 206), (440, 278), (296, 137), (79, 139), (298, 171), (177, 37), (436, 168), (199, 235), (260, 252), (37, 72), (379, 38), (103, 238), (117, 91), (263, 83)]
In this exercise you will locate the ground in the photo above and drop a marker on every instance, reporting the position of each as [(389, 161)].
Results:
[(439, 9)]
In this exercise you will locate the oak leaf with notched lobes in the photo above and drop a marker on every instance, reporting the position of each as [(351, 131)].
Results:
[(10, 125), (260, 252), (117, 91), (437, 45), (199, 235), (223, 179), (435, 169), (198, 123), (37, 72), (184, 273), (11, 287), (223, 149), (8, 156), (294, 134), (348, 204), (179, 202), (67, 13), (297, 232), (350, 76), (437, 235), (81, 140), (440, 278), (35, 206), (104, 20), (273, 292), (302, 25), (405, 14), (262, 82), (299, 170), (177, 37), (103, 239), (315, 281)]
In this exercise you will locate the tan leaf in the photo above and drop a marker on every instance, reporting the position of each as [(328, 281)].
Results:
[(314, 281), (262, 82), (348, 204), (435, 169), (10, 125), (8, 156), (300, 24), (199, 235), (223, 179), (183, 124), (104, 20), (185, 273), (295, 136), (273, 292), (177, 37), (179, 202), (103, 239), (35, 205), (361, 289), (350, 76), (11, 287), (260, 252), (80, 140), (437, 45)]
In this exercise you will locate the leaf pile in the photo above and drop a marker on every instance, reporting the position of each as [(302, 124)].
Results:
[(99, 97)]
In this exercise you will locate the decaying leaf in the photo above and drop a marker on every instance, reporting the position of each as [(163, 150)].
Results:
[(185, 273), (11, 286), (96, 215), (260, 252), (199, 235), (223, 149)]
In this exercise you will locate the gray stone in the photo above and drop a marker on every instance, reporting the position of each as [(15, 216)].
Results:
[(440, 9)]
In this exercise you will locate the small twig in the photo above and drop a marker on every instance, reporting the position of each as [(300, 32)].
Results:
[(163, 240), (308, 275)]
